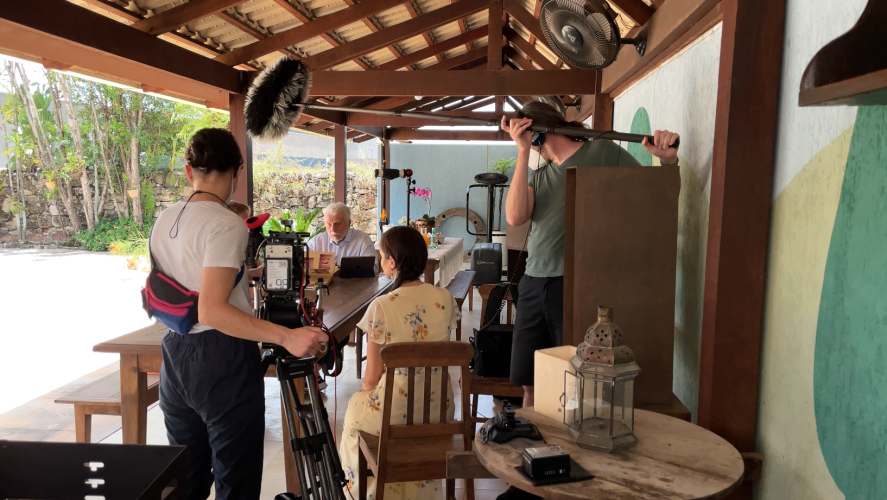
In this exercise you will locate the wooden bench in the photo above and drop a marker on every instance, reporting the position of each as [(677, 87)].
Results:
[(460, 287), (101, 397)]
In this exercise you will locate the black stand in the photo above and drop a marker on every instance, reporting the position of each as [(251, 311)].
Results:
[(315, 452)]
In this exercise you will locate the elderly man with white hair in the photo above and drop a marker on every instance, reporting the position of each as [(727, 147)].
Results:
[(340, 238)]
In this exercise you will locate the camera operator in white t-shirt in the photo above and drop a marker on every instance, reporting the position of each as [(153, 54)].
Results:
[(211, 381)]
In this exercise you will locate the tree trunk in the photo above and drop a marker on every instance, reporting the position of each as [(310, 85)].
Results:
[(77, 139), (124, 162), (100, 138), (43, 145), (22, 217), (134, 178), (63, 185)]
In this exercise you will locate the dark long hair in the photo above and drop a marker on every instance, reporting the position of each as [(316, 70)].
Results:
[(213, 150), (407, 247)]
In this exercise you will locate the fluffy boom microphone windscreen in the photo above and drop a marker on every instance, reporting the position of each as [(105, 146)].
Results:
[(272, 103)]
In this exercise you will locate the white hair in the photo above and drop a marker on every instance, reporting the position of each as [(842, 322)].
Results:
[(338, 209)]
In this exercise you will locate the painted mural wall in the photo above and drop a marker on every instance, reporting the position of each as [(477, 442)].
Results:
[(822, 426), (680, 96)]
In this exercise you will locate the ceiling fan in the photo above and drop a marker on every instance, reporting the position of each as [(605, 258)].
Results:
[(583, 33)]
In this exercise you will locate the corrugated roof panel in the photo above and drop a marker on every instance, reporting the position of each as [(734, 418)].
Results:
[(158, 6)]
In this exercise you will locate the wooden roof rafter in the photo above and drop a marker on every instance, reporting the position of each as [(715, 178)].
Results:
[(407, 29)]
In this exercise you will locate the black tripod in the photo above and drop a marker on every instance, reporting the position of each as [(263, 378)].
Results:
[(316, 450)]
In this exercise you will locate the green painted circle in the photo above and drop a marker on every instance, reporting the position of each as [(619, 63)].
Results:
[(640, 124)]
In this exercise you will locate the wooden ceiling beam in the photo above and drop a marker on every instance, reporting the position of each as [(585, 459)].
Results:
[(367, 120), (454, 83), (396, 33), (437, 48), (442, 103), (636, 10), (363, 139), (494, 42), (107, 39), (476, 104), (408, 134), (321, 125), (524, 17), (176, 17), (413, 9), (463, 28), (527, 48), (664, 30), (536, 11), (415, 104), (473, 64), (459, 60), (309, 30), (518, 58), (391, 103)]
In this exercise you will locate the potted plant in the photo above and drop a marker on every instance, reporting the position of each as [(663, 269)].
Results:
[(502, 166), (426, 222)]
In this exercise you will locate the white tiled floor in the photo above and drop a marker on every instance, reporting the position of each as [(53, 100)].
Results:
[(339, 390)]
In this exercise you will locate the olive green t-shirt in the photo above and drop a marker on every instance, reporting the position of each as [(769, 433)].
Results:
[(545, 249)]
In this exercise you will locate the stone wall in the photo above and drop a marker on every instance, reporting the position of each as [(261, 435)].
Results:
[(48, 222), (279, 191)]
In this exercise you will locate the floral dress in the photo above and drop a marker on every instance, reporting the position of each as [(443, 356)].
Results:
[(423, 313)]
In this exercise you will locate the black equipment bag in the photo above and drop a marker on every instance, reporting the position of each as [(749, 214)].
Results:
[(492, 343)]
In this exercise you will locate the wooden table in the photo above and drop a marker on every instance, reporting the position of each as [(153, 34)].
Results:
[(673, 459), (140, 350)]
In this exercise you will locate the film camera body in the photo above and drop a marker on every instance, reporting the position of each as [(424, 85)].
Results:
[(284, 283)]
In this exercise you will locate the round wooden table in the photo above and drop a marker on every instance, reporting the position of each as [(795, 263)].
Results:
[(673, 459)]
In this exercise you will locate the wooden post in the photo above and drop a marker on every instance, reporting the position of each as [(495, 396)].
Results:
[(386, 163), (340, 172), (739, 220), (494, 44), (237, 126), (602, 109)]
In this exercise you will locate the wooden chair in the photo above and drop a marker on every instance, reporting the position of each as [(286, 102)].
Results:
[(101, 397), (492, 386), (460, 287), (417, 451)]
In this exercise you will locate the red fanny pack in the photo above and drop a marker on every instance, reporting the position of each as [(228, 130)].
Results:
[(167, 301)]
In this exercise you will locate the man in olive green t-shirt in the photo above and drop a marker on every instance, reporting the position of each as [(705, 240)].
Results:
[(540, 313)]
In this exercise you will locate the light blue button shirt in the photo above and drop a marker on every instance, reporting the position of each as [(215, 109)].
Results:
[(355, 244)]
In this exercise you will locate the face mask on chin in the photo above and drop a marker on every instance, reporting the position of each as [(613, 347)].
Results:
[(536, 160)]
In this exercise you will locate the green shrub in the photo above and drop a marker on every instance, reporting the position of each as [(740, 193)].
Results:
[(109, 231)]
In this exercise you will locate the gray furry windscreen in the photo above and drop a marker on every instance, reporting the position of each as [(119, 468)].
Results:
[(272, 101)]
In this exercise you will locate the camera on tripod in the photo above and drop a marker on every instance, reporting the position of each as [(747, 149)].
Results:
[(283, 284)]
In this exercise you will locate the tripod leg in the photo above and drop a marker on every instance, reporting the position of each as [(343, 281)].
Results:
[(333, 473), (308, 431), (288, 397), (331, 454)]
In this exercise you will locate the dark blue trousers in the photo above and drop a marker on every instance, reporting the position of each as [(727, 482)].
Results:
[(213, 402)]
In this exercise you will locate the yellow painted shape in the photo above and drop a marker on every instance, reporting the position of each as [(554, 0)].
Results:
[(800, 234)]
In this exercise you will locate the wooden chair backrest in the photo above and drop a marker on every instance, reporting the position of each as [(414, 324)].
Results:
[(426, 355), (484, 292)]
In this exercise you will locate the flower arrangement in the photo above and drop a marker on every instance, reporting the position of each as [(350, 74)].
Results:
[(424, 193)]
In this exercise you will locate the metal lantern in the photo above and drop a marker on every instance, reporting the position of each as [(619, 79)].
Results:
[(599, 397)]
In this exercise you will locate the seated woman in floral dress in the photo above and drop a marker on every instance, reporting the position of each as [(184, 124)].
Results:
[(413, 312)]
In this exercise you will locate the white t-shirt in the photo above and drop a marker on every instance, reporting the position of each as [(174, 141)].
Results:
[(209, 235)]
